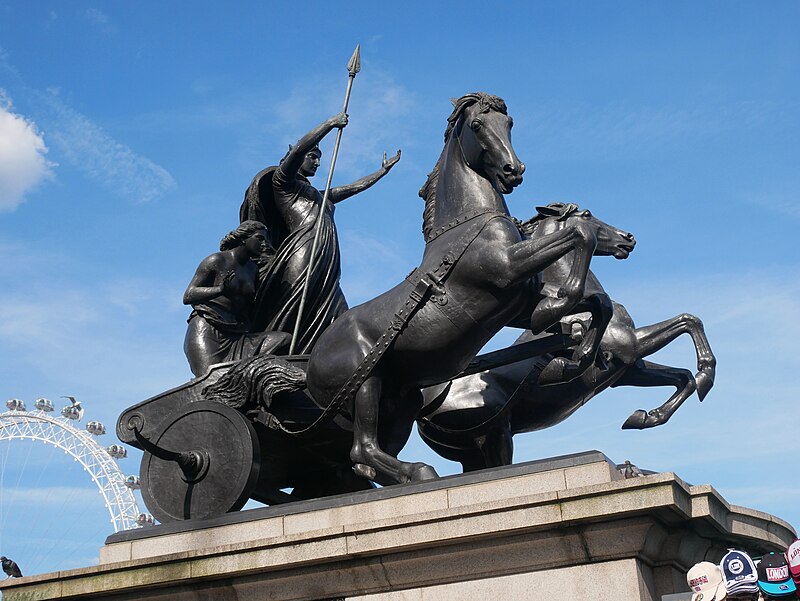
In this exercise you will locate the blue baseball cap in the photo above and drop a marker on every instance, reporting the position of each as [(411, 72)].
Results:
[(739, 572), (774, 577)]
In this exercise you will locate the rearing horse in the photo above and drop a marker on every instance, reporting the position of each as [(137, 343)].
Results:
[(475, 277)]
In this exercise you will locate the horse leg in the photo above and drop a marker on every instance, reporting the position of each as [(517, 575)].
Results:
[(368, 457), (561, 370), (646, 373), (496, 445), (532, 255), (398, 414), (650, 339), (551, 309)]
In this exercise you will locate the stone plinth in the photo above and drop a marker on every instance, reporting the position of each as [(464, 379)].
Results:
[(566, 528)]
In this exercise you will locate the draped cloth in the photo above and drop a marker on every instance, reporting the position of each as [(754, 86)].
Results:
[(288, 207), (215, 335)]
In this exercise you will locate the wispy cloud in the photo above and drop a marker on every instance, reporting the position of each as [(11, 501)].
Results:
[(88, 147), (44, 496), (379, 117), (91, 338), (99, 19), (23, 162), (784, 202), (583, 130), (371, 266)]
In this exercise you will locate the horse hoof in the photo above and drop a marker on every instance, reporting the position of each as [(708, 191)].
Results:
[(636, 421), (548, 312), (553, 372), (704, 381), (365, 471), (423, 471), (559, 371)]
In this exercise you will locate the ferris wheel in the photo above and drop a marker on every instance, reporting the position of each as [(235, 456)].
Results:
[(63, 432)]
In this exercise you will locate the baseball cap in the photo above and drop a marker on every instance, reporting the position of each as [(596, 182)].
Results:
[(705, 580), (793, 559), (773, 576), (739, 573)]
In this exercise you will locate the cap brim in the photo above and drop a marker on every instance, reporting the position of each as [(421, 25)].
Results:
[(778, 588), (717, 594)]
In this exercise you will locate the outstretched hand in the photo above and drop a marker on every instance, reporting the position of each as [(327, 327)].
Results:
[(389, 163), (339, 120)]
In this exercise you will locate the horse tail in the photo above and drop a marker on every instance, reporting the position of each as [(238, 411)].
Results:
[(252, 383)]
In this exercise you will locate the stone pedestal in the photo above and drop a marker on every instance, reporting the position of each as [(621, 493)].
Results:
[(568, 528)]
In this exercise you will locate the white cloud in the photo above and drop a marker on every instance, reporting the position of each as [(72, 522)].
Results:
[(83, 144), (23, 165), (89, 148)]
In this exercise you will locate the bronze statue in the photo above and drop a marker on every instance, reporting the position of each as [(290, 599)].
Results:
[(334, 421), (221, 294), (284, 199)]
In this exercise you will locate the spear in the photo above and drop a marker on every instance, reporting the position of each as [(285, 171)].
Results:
[(353, 67)]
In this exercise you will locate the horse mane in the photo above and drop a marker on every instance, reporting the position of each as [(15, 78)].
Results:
[(487, 102), (557, 210)]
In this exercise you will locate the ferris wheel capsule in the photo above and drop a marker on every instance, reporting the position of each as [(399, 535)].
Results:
[(117, 451), (72, 412), (95, 428), (15, 405), (145, 519), (44, 405), (133, 482)]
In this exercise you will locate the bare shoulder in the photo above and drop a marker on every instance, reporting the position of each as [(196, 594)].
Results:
[(214, 261)]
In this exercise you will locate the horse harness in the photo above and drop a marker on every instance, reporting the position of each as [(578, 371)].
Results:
[(425, 285)]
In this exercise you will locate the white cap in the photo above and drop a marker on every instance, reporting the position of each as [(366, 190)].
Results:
[(705, 580)]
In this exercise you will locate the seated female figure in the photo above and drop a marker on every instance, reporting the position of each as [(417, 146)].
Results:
[(221, 294)]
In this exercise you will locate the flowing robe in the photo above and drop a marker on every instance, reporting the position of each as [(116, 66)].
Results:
[(289, 206)]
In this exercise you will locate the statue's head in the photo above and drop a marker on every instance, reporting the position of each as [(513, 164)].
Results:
[(311, 162), (250, 234)]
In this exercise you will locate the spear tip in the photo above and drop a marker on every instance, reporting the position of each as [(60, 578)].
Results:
[(354, 65)]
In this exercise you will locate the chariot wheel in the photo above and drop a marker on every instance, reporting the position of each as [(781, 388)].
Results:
[(203, 462)]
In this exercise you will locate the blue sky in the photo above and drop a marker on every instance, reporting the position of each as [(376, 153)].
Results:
[(129, 132)]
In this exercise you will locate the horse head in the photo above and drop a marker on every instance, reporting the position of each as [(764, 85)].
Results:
[(481, 127), (477, 141), (610, 240)]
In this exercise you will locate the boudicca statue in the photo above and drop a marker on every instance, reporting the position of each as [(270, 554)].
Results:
[(334, 419), (283, 198)]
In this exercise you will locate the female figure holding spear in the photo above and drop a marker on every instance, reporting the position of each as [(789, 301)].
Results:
[(300, 292)]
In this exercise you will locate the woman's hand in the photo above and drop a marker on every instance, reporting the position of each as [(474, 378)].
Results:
[(389, 163)]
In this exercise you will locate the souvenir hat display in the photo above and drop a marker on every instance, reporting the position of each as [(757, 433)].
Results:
[(793, 558), (705, 580), (739, 573), (774, 578)]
